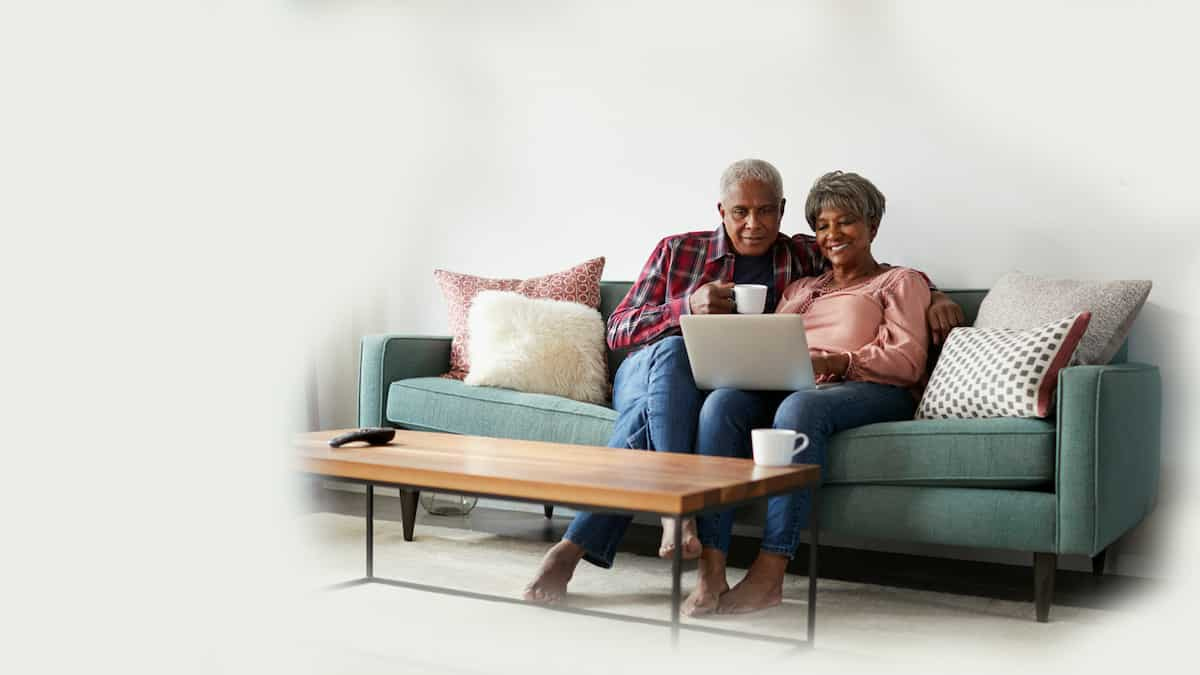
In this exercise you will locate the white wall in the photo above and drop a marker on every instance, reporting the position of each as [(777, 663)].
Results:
[(207, 204), (1047, 137)]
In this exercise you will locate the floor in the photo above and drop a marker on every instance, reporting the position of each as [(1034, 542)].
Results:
[(990, 580), (878, 612)]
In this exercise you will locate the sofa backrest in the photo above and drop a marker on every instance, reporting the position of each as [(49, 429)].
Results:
[(611, 295), (613, 292), (969, 300)]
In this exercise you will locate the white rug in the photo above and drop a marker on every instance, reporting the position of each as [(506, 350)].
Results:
[(377, 628)]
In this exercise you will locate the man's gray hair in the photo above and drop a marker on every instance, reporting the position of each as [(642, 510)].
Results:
[(751, 169), (847, 192)]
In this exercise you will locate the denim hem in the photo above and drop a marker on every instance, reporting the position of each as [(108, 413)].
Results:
[(597, 560), (714, 545), (779, 551)]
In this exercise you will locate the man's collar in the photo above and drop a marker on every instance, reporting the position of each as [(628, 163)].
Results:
[(723, 247)]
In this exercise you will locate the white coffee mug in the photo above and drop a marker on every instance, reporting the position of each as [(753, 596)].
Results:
[(776, 447), (749, 298)]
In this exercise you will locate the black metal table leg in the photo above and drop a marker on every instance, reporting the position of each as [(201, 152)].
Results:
[(675, 624), (370, 531), (676, 573), (814, 518)]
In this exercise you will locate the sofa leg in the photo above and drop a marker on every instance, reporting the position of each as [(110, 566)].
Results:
[(1098, 563), (408, 511), (548, 509), (1044, 567)]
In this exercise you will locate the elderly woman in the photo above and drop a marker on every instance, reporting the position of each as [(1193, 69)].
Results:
[(866, 327)]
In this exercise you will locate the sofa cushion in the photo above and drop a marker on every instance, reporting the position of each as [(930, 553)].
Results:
[(443, 404), (1004, 452), (991, 453)]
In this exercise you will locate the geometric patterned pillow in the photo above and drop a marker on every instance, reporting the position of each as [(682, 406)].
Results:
[(1001, 372), (579, 284)]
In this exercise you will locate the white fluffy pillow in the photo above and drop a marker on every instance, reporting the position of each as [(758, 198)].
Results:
[(538, 346)]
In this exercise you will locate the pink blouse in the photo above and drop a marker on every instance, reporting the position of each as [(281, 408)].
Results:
[(880, 323)]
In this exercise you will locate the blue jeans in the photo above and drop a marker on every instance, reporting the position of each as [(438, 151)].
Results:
[(657, 404), (728, 416)]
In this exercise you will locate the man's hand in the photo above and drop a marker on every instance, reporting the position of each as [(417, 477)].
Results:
[(715, 297), (943, 315), (830, 367)]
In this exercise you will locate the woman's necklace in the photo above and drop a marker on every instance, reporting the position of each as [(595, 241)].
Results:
[(829, 285)]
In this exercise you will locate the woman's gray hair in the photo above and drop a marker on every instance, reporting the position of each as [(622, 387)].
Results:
[(751, 169), (847, 192)]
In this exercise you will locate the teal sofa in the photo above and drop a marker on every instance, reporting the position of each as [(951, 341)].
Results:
[(1070, 484)]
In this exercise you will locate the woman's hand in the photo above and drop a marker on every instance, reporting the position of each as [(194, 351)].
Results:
[(830, 367)]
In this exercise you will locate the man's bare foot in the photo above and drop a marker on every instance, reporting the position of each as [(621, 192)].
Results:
[(691, 543), (710, 584), (762, 587), (550, 584)]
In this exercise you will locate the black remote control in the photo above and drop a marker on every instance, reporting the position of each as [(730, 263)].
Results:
[(371, 435)]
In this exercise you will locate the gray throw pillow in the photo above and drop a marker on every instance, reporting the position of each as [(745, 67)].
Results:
[(1023, 301)]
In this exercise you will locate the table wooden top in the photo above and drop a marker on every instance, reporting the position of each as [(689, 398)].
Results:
[(557, 473)]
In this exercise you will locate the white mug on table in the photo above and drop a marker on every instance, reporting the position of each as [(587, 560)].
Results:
[(776, 447)]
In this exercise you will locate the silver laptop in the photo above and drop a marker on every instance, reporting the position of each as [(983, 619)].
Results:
[(748, 351)]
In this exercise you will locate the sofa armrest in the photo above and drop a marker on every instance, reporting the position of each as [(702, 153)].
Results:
[(387, 358), (1106, 473)]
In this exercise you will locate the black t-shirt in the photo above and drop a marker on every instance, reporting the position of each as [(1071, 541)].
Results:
[(757, 269)]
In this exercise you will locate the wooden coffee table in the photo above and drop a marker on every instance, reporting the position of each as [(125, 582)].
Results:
[(582, 477)]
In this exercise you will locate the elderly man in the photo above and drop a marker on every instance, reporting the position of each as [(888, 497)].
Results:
[(653, 392)]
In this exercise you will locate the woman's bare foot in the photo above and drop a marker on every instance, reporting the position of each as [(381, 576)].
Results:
[(550, 584), (691, 543), (710, 584), (762, 587)]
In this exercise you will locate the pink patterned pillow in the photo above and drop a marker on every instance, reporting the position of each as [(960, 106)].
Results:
[(579, 284)]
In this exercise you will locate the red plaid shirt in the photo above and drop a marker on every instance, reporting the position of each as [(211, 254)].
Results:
[(684, 262)]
